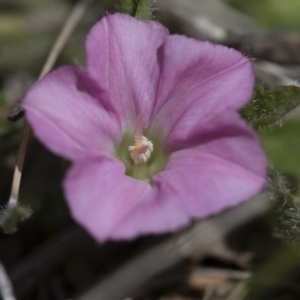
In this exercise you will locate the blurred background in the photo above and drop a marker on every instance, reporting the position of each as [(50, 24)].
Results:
[(50, 257)]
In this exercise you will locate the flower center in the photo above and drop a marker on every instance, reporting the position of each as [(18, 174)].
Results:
[(142, 149), (142, 157)]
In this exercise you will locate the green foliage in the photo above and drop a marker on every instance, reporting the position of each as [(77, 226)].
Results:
[(282, 146), (141, 9), (286, 217), (267, 107), (12, 215)]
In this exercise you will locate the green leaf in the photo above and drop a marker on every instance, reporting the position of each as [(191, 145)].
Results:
[(12, 215), (143, 10), (267, 107), (128, 7)]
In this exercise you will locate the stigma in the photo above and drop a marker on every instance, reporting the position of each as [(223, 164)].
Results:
[(141, 151)]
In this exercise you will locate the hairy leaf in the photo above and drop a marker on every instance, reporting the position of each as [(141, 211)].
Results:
[(286, 209), (12, 215), (267, 107)]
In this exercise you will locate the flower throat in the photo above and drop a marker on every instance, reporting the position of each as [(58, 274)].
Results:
[(143, 155)]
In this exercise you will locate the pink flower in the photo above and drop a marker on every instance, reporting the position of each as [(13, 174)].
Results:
[(151, 128)]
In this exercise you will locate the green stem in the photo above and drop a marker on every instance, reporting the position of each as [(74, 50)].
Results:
[(143, 10), (128, 7)]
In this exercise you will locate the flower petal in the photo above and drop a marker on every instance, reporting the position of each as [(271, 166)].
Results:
[(228, 167), (160, 211), (217, 175), (68, 113), (111, 205), (199, 82), (231, 140), (200, 181), (100, 195), (122, 56)]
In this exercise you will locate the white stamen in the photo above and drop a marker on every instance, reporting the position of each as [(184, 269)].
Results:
[(142, 149)]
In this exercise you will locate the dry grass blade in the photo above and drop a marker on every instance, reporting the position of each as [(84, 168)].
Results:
[(6, 289), (72, 21)]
